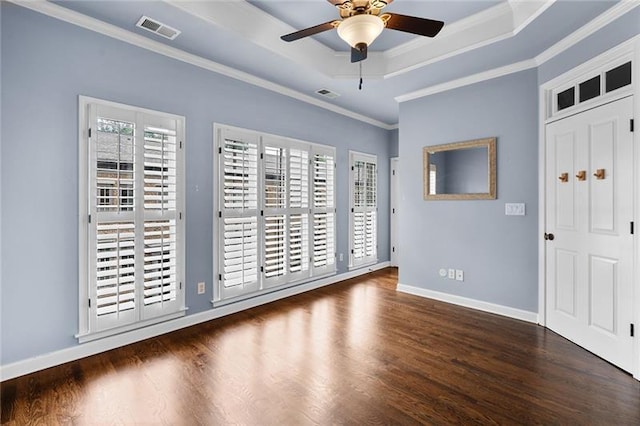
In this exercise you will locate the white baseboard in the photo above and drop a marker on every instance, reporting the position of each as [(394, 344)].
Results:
[(506, 311), (30, 365)]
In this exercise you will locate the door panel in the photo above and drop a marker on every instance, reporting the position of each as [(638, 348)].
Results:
[(565, 201), (589, 263)]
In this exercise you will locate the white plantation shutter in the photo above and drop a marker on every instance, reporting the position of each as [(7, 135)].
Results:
[(239, 225), (363, 212), (323, 184), (240, 252), (298, 239), (134, 234), (275, 251), (276, 211), (115, 273), (275, 187), (299, 244), (160, 274)]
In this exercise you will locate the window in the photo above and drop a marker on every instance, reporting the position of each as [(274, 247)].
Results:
[(276, 212), (364, 208), (131, 230)]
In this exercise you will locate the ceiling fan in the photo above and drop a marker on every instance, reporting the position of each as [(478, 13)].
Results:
[(362, 22)]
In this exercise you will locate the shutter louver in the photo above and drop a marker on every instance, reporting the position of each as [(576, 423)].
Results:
[(275, 178), (274, 246), (358, 235), (298, 243), (240, 175), (370, 250), (298, 178), (323, 171), (115, 268), (160, 280), (323, 244), (159, 169), (240, 266)]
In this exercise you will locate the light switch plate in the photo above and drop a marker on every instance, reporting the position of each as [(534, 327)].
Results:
[(514, 209), (201, 288), (459, 275)]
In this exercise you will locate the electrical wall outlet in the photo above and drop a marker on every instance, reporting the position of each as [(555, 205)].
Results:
[(201, 288), (452, 274), (341, 256), (459, 275)]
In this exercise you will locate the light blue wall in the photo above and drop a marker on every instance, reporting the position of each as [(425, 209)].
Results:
[(46, 65), (393, 142), (497, 253)]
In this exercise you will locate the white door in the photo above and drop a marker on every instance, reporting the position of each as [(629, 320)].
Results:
[(395, 189), (589, 251)]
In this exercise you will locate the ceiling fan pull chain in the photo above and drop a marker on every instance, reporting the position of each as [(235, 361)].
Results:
[(360, 86)]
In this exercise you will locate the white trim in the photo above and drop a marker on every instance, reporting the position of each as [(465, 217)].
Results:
[(479, 305), (586, 30), (52, 359), (542, 207), (75, 18), (466, 81)]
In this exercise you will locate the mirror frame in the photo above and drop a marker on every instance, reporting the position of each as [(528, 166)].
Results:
[(489, 143)]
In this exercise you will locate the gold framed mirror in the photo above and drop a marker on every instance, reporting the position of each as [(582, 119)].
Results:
[(460, 171)]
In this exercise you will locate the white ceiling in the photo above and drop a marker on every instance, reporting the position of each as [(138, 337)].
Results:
[(478, 36)]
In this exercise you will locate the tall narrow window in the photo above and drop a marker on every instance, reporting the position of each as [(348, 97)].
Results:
[(276, 211), (364, 208), (130, 204)]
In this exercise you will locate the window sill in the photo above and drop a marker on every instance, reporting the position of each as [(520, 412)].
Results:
[(363, 265), (88, 337), (270, 290)]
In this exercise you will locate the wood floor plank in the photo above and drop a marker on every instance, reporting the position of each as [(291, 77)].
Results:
[(356, 352)]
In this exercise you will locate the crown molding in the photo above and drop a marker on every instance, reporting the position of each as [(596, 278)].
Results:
[(92, 24), (466, 81)]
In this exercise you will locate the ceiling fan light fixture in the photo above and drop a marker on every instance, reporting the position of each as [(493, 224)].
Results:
[(360, 29)]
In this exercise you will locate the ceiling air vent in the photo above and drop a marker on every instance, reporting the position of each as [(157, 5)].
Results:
[(327, 93), (157, 27)]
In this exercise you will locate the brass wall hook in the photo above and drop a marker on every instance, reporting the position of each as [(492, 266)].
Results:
[(564, 177), (582, 175), (599, 174)]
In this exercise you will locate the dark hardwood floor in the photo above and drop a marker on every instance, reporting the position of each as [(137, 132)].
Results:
[(355, 352)]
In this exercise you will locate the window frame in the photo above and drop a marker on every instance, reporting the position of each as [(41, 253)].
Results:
[(88, 327), (356, 263), (289, 279)]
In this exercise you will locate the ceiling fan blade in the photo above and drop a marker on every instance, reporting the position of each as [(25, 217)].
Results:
[(359, 54), (309, 31), (413, 25)]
